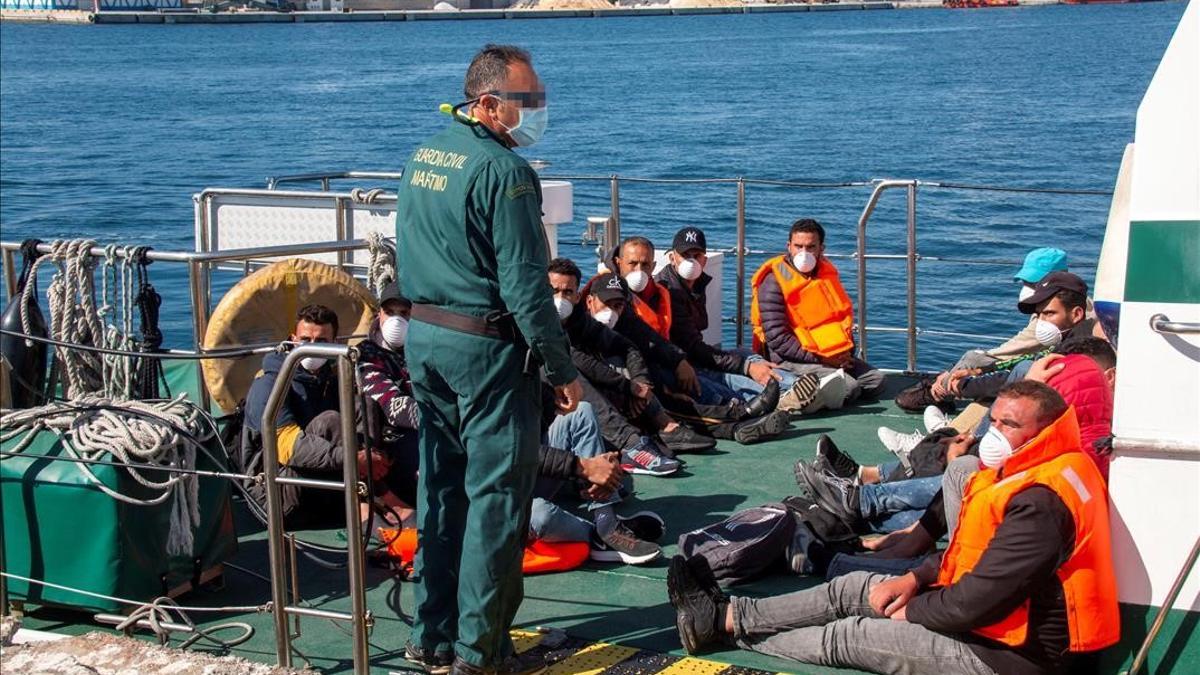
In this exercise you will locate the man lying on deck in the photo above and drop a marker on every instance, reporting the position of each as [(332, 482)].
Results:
[(1026, 582)]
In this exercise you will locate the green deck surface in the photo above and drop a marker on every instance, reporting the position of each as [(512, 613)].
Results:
[(600, 602)]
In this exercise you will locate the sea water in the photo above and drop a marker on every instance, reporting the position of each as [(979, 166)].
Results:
[(106, 131)]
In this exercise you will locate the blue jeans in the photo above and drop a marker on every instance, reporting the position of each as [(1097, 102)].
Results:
[(894, 506), (710, 393), (579, 432)]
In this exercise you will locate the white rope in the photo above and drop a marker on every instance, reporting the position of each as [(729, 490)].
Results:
[(137, 434), (381, 269), (261, 609)]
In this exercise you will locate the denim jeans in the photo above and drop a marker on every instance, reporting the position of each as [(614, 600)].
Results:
[(710, 393), (894, 506), (833, 625), (579, 432), (742, 386), (842, 564)]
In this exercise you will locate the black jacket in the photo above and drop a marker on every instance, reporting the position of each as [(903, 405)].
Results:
[(310, 395), (689, 319), (782, 344), (592, 343), (1035, 538), (989, 384)]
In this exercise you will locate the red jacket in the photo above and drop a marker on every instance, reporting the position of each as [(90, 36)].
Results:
[(1082, 384)]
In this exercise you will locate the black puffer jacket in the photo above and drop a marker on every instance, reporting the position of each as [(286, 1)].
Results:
[(592, 343), (689, 320), (310, 395)]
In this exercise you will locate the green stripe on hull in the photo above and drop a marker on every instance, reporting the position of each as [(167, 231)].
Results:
[(1164, 262)]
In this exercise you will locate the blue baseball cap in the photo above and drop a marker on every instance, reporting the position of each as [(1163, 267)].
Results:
[(1041, 261)]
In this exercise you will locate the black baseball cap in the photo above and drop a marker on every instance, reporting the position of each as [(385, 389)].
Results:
[(689, 239), (392, 292), (1049, 285), (608, 286)]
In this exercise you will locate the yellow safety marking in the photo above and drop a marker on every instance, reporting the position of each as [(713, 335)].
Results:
[(524, 640), (693, 666), (591, 660)]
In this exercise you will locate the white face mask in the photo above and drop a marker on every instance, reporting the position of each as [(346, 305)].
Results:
[(395, 331), (606, 316), (1026, 291), (690, 269), (637, 280), (1047, 333), (994, 449), (804, 261), (312, 363), (564, 307)]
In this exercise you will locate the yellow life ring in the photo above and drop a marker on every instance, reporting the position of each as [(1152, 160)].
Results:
[(262, 308)]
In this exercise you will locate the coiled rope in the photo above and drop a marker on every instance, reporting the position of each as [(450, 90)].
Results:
[(137, 434), (381, 268)]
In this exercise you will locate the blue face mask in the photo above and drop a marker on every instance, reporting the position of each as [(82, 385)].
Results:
[(531, 125)]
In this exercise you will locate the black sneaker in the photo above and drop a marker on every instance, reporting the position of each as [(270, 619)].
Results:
[(764, 403), (762, 428), (838, 496), (685, 439), (832, 460), (621, 545), (696, 605), (436, 663), (527, 663), (645, 525)]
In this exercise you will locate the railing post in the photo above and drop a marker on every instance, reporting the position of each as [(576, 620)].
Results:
[(354, 551), (612, 229), (199, 324), (339, 215), (912, 276), (10, 273), (275, 533), (861, 254), (741, 260)]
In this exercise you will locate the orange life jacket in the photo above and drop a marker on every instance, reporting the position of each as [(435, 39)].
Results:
[(658, 318), (819, 311), (540, 556), (1052, 459)]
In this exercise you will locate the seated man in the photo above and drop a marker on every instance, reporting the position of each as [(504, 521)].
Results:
[(391, 423), (802, 316), (1026, 582), (745, 422), (1038, 263), (308, 428), (652, 302), (574, 454), (615, 378), (743, 374), (1058, 307)]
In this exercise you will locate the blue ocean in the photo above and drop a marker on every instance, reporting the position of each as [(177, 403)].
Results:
[(107, 131)]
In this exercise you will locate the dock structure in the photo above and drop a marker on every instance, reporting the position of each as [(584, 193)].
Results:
[(184, 16)]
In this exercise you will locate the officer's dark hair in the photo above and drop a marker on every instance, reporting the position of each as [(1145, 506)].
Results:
[(1050, 405), (808, 225), (489, 69), (565, 267), (638, 241), (1098, 349), (320, 315)]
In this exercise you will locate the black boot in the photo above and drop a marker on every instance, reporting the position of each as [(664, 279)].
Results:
[(765, 402), (699, 612)]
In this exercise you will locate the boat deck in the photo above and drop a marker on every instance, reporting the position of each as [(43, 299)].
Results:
[(623, 608)]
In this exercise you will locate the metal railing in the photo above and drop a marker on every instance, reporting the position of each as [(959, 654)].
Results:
[(359, 616)]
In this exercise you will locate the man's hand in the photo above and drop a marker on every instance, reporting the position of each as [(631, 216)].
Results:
[(379, 464), (958, 446), (640, 396), (1046, 367), (762, 372), (602, 470), (685, 376), (889, 597), (568, 396)]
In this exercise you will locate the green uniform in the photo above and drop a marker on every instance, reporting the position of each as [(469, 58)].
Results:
[(470, 241)]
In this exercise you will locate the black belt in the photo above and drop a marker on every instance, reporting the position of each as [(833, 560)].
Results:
[(496, 324)]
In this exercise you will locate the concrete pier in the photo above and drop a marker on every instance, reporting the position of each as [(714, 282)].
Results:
[(185, 17)]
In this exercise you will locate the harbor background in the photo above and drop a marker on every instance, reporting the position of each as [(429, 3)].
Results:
[(105, 133)]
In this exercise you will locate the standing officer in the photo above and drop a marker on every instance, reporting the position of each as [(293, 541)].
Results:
[(472, 257)]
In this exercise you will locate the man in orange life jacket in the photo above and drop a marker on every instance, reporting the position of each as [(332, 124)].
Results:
[(1026, 581), (802, 316)]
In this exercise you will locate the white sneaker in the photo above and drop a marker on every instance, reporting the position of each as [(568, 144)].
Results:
[(935, 419), (897, 442), (831, 395)]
